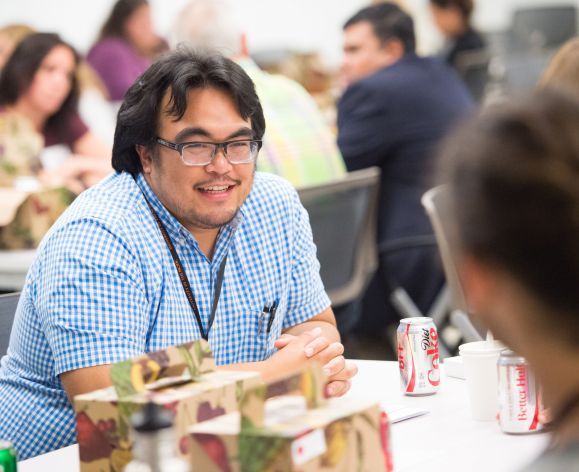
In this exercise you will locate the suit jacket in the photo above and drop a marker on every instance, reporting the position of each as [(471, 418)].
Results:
[(469, 41), (395, 119)]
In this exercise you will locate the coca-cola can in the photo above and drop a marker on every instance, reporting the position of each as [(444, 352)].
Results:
[(418, 356), (519, 397)]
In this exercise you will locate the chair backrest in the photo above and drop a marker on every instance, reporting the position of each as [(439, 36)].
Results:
[(543, 27), (8, 305), (473, 67), (436, 203), (343, 217)]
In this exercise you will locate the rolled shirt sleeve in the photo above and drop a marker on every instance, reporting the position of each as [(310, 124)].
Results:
[(92, 304)]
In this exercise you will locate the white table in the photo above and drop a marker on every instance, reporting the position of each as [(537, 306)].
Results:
[(444, 440), (13, 268)]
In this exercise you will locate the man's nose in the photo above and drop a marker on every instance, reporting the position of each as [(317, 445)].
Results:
[(219, 164)]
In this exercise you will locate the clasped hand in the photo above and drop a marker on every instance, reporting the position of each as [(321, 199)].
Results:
[(313, 346)]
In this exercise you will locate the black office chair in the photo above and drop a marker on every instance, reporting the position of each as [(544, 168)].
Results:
[(343, 220), (437, 205), (473, 68), (8, 304)]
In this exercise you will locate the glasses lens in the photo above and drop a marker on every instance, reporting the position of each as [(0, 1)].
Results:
[(240, 152), (198, 154)]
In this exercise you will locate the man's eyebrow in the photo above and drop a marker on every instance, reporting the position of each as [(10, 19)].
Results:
[(186, 133), (244, 132)]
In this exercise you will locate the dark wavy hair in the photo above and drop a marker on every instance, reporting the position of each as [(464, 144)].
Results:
[(513, 174), (178, 72), (465, 7), (389, 22), (114, 26), (19, 72)]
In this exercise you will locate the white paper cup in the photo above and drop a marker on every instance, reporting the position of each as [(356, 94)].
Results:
[(480, 369)]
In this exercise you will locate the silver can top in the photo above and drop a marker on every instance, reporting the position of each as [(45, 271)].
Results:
[(416, 320), (5, 444), (509, 357)]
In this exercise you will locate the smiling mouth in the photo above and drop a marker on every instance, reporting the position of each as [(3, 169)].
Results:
[(215, 189)]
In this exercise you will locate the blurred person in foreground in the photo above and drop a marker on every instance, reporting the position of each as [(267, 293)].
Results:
[(563, 70), (126, 46), (453, 19), (39, 92), (298, 144), (185, 198), (512, 175), (395, 110)]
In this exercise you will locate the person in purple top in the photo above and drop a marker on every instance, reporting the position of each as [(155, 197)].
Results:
[(126, 46)]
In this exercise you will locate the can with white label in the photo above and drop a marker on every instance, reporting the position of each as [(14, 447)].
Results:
[(417, 340), (519, 397)]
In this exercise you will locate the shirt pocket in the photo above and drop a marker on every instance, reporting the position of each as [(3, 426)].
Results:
[(242, 337)]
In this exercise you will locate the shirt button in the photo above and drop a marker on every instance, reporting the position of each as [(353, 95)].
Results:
[(182, 242)]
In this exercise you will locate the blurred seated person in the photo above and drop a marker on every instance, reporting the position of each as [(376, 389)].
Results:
[(126, 46), (453, 19), (513, 175), (94, 106), (10, 36), (308, 70), (298, 144), (39, 87), (563, 70), (393, 114)]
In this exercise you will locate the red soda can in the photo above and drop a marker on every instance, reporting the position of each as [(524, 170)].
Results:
[(418, 356), (385, 439), (519, 398)]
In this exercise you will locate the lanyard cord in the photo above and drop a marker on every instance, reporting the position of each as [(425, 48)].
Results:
[(185, 280)]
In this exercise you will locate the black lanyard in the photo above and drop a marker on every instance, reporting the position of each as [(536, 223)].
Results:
[(185, 280)]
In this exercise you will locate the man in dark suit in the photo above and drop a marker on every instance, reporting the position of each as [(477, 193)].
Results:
[(396, 108)]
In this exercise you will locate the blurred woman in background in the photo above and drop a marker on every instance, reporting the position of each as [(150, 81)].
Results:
[(453, 19), (126, 46), (563, 70), (39, 85), (513, 176)]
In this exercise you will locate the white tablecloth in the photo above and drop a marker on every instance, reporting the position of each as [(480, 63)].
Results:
[(13, 268), (445, 440)]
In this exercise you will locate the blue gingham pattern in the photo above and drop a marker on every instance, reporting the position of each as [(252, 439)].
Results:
[(104, 288)]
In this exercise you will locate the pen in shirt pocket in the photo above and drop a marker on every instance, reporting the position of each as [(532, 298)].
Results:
[(272, 312), (268, 311)]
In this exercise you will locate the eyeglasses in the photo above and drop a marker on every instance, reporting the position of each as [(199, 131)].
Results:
[(241, 151)]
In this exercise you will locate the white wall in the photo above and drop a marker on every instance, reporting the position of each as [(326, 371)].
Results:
[(292, 24)]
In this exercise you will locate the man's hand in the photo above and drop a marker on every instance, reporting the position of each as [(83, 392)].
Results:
[(329, 355)]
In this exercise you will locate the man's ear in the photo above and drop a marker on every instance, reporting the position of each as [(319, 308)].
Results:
[(145, 157), (393, 51)]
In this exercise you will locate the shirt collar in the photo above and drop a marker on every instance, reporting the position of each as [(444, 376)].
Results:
[(178, 232)]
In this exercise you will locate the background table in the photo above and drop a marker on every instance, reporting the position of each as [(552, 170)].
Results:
[(13, 268), (446, 439)]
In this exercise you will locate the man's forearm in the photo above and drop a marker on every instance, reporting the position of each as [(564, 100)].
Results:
[(324, 320), (264, 368), (329, 330)]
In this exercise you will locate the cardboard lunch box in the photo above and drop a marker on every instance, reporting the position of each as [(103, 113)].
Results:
[(180, 378), (291, 433)]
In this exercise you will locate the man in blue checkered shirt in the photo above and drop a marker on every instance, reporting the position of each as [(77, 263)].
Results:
[(106, 282)]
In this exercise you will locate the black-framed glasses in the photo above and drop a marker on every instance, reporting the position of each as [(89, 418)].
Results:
[(241, 151)]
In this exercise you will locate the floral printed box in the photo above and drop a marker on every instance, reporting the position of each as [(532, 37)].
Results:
[(293, 433), (181, 378)]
